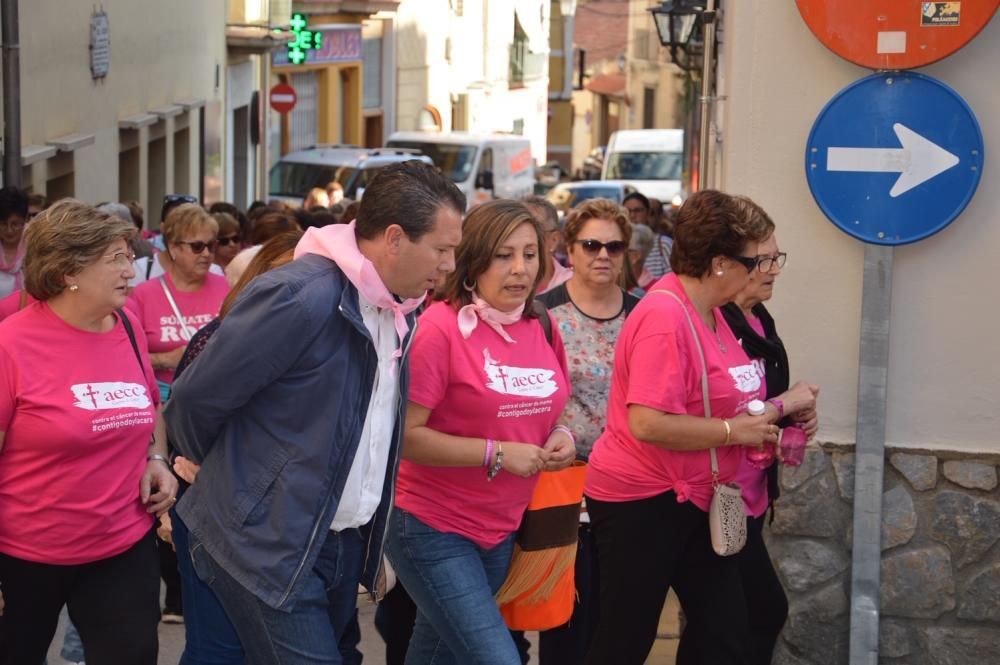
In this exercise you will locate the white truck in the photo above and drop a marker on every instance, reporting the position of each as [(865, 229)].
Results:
[(651, 160), (484, 166)]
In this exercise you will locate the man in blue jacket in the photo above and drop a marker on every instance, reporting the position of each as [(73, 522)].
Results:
[(295, 412)]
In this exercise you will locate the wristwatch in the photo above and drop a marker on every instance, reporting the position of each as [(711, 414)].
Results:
[(780, 406)]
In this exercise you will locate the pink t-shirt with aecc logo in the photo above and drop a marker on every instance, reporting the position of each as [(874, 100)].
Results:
[(480, 387), (77, 413), (159, 323), (657, 366)]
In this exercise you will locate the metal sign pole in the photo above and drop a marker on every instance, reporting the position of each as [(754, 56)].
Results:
[(870, 455)]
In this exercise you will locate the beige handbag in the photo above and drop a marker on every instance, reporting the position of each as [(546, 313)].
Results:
[(727, 518)]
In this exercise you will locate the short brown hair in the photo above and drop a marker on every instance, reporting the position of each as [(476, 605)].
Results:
[(185, 218), (596, 209), (270, 224), (712, 223), (135, 208), (227, 223), (63, 240), (486, 227)]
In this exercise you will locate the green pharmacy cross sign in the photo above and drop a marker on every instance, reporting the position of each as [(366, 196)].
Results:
[(305, 40)]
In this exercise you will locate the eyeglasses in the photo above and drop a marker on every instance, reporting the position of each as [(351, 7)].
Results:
[(594, 247), (226, 240), (121, 260), (180, 198), (767, 263), (748, 262), (198, 246)]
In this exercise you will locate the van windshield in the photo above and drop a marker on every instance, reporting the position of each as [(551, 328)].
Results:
[(455, 161), (295, 179), (644, 166)]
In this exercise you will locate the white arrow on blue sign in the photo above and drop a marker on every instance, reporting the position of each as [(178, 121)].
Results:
[(894, 158)]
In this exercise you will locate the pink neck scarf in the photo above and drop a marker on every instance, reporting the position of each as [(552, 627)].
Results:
[(470, 315), (14, 268), (560, 275), (339, 243)]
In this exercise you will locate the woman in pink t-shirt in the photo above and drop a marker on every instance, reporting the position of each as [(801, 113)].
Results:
[(487, 389), (175, 306), (82, 448), (649, 481)]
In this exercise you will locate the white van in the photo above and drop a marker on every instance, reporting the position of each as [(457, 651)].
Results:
[(485, 166), (651, 160)]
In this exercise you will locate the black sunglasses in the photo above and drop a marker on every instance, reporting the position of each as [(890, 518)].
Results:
[(594, 247), (226, 240), (198, 246)]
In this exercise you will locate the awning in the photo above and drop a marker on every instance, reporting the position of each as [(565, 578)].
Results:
[(612, 85)]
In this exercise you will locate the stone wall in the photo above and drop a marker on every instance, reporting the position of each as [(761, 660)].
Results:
[(940, 558)]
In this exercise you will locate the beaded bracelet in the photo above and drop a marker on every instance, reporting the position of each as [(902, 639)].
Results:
[(497, 465)]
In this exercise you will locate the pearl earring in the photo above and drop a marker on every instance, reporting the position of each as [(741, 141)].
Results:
[(719, 273), (74, 287)]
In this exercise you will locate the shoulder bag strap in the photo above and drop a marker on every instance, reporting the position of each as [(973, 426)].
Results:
[(131, 338), (704, 374), (173, 306), (543, 319)]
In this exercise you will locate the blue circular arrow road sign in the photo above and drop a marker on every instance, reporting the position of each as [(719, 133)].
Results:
[(894, 158)]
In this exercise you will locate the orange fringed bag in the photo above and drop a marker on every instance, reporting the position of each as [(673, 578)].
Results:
[(540, 589)]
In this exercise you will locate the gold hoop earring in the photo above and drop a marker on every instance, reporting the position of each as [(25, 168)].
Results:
[(466, 286)]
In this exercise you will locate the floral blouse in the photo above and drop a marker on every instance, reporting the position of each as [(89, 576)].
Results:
[(590, 352)]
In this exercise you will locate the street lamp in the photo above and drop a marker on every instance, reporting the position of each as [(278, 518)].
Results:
[(677, 22), (679, 27)]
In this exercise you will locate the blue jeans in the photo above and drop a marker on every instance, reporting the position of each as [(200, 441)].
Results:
[(322, 627), (453, 582), (72, 648), (209, 636)]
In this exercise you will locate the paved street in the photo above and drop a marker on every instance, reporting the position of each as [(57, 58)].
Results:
[(172, 639)]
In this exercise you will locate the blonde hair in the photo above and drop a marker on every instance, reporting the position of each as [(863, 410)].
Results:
[(596, 209), (63, 240), (184, 219)]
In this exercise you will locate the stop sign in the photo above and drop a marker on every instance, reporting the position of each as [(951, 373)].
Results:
[(283, 98)]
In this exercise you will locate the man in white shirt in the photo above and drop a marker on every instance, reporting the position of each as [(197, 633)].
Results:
[(295, 412)]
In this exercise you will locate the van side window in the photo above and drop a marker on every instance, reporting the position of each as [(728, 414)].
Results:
[(486, 162), (485, 176)]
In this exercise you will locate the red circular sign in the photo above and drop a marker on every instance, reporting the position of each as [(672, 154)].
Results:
[(283, 98), (896, 34)]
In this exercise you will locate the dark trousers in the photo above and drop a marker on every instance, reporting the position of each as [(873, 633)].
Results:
[(171, 578), (645, 547), (113, 602), (766, 603), (568, 644)]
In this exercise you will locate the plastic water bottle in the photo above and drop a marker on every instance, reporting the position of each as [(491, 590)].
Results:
[(792, 441), (760, 458)]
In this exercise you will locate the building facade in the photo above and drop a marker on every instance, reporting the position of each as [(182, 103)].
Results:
[(122, 120), (475, 66)]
